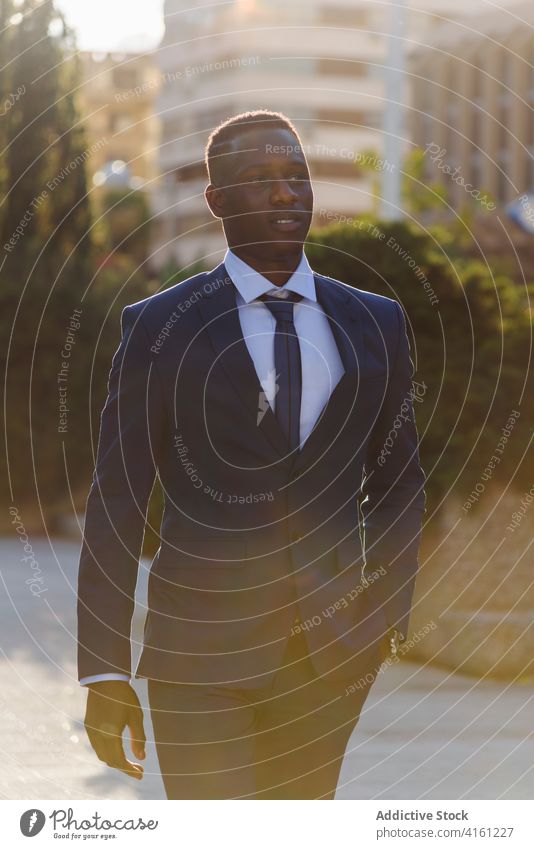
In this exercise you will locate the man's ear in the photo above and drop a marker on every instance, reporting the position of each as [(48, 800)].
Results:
[(215, 199)]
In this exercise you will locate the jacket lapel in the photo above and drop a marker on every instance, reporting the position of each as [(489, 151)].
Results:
[(221, 321), (344, 314)]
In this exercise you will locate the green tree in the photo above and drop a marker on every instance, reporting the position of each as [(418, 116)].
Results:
[(7, 95), (45, 248), (471, 344), (126, 219), (420, 194)]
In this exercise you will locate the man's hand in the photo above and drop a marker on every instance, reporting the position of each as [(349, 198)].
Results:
[(111, 706)]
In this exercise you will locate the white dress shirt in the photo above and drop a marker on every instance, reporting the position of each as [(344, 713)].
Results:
[(321, 363)]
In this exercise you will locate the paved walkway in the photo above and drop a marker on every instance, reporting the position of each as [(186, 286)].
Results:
[(424, 733)]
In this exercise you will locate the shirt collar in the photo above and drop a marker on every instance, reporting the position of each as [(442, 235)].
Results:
[(251, 284)]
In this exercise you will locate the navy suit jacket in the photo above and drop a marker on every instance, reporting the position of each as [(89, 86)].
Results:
[(250, 536)]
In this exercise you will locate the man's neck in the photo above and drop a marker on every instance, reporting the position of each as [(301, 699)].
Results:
[(276, 270)]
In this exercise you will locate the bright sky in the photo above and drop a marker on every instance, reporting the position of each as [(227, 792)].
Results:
[(114, 24)]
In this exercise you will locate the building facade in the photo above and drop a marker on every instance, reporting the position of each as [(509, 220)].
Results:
[(117, 99), (321, 62), (472, 111)]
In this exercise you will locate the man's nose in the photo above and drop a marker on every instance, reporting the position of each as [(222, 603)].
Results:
[(283, 192)]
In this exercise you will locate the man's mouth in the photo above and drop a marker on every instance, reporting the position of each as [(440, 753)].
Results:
[(286, 222)]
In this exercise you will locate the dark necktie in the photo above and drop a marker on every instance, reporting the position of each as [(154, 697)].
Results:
[(287, 366)]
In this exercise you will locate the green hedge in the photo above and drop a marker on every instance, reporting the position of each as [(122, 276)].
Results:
[(471, 344)]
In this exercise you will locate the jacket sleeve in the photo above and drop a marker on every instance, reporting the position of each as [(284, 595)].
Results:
[(393, 498), (128, 448)]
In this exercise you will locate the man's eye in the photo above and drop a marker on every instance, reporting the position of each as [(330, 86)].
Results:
[(261, 178)]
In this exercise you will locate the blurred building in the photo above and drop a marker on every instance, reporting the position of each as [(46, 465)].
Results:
[(473, 98), (117, 99), (320, 61)]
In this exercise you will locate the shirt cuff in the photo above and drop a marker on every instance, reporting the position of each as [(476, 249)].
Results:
[(104, 676)]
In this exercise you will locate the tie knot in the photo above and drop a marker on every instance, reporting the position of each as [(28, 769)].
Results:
[(281, 308)]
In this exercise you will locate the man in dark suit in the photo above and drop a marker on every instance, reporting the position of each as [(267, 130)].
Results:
[(267, 398)]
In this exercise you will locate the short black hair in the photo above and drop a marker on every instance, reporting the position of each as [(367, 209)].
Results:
[(221, 137)]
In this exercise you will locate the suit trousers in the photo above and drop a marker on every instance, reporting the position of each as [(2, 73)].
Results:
[(282, 741)]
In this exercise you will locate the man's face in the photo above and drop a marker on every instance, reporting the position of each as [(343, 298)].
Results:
[(266, 203)]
